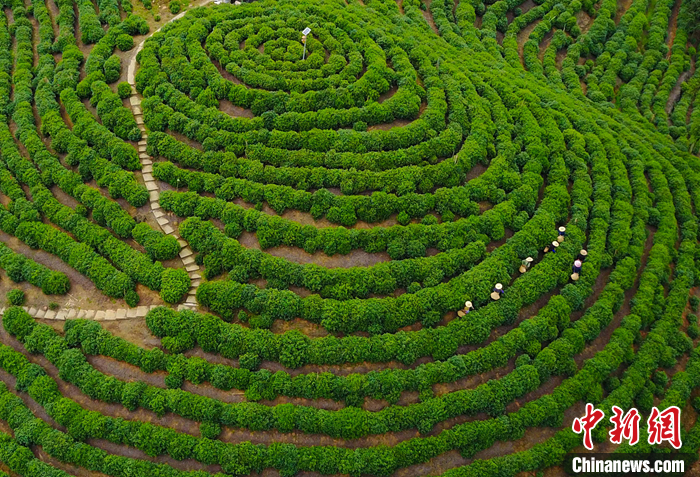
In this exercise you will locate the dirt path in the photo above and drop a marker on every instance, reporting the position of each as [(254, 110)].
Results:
[(673, 26), (622, 7), (429, 17), (675, 93), (544, 44), (584, 21), (523, 36)]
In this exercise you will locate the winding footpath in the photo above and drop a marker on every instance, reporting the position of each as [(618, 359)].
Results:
[(152, 185), (186, 253)]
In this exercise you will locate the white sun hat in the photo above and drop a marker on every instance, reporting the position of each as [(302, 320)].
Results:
[(499, 286)]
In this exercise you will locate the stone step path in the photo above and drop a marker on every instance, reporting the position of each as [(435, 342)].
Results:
[(153, 188), (75, 313)]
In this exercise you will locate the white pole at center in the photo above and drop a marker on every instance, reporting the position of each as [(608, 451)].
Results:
[(304, 33)]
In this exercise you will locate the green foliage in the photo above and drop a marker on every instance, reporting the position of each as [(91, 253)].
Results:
[(15, 297), (114, 115), (124, 90), (694, 303), (477, 145), (125, 42), (113, 69), (158, 245), (174, 284), (20, 268)]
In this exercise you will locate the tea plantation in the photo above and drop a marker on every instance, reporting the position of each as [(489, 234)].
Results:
[(344, 237)]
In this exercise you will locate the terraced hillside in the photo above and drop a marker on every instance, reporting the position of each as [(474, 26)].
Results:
[(231, 249)]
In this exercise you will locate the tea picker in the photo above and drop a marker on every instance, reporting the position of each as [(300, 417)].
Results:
[(525, 264), (582, 255), (497, 292), (467, 308), (576, 269), (551, 248), (562, 234)]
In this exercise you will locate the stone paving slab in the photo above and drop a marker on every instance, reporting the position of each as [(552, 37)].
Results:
[(146, 162), (188, 260), (148, 168), (143, 155), (167, 229), (195, 276), (192, 268), (185, 252), (99, 315), (155, 195), (155, 205), (152, 186), (158, 213), (147, 176)]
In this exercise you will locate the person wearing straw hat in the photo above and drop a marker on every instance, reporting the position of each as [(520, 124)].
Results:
[(562, 233), (525, 264), (497, 292), (582, 255), (551, 248), (576, 269), (467, 308)]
